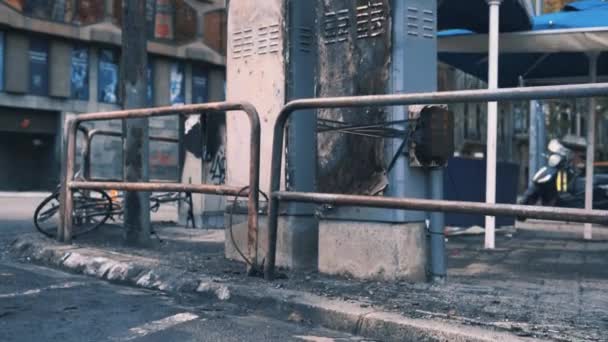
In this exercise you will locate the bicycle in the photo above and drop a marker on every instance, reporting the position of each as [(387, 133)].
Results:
[(93, 208)]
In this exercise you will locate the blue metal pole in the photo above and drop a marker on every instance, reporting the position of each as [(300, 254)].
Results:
[(436, 230)]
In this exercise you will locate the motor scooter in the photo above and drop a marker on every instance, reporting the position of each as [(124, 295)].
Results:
[(561, 184)]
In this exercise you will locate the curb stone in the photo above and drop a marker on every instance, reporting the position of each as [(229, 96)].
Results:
[(333, 314)]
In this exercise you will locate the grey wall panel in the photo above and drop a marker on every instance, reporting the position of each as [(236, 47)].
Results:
[(60, 71), (17, 63)]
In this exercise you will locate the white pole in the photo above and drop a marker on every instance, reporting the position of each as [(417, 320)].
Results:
[(590, 145), (492, 120), (539, 7)]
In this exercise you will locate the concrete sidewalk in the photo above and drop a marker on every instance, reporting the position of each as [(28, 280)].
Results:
[(543, 284)]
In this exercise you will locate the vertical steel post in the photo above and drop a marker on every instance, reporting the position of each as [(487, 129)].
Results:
[(593, 56), (64, 229), (136, 132), (492, 120), (436, 230)]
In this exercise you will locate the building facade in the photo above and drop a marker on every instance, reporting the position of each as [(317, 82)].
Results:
[(60, 58)]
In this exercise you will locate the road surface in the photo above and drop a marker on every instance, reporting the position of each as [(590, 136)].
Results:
[(41, 304)]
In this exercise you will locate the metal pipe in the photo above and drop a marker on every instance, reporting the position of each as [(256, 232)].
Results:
[(222, 190), (95, 132), (65, 227), (460, 96), (497, 209), (436, 230), (477, 95), (590, 155), (162, 111), (492, 126)]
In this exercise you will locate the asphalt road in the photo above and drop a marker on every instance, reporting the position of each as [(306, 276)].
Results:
[(42, 304)]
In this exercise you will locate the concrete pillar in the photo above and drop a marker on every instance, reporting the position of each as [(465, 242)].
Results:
[(260, 63), (60, 57)]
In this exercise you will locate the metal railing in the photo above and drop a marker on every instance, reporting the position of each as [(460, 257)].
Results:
[(92, 133), (507, 94), (64, 230)]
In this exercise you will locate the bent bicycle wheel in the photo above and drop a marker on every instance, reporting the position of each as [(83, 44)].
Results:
[(92, 208), (46, 216)]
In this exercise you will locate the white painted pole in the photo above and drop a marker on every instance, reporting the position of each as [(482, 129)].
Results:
[(539, 7), (490, 223), (590, 145)]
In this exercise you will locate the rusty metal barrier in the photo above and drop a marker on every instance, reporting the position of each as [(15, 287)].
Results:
[(64, 230), (90, 134), (506, 94)]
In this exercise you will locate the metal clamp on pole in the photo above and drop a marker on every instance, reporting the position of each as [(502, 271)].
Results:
[(68, 185), (484, 95)]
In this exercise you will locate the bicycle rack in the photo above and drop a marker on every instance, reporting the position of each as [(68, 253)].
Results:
[(64, 230), (533, 93)]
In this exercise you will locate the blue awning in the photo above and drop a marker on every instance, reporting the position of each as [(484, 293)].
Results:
[(584, 5), (555, 48), (515, 15), (590, 16)]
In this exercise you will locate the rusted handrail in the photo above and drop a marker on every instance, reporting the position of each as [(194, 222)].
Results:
[(484, 95), (64, 230)]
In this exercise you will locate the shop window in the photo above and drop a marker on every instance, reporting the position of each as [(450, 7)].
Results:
[(56, 10), (185, 22), (214, 30), (200, 80), (80, 73), (39, 66), (108, 76), (163, 23), (89, 11), (165, 19)]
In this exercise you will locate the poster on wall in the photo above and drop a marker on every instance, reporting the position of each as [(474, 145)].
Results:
[(177, 84), (39, 66), (80, 73), (108, 76), (163, 27), (150, 86), (1, 61), (199, 85)]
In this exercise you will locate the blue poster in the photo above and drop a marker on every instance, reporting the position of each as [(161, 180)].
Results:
[(1, 60), (199, 84), (177, 83), (39, 68), (150, 86), (80, 73), (108, 76)]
